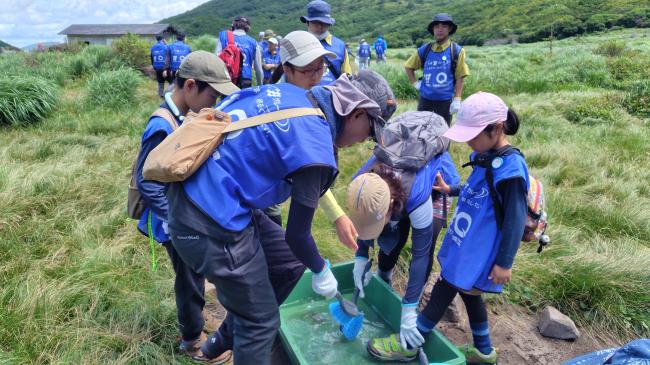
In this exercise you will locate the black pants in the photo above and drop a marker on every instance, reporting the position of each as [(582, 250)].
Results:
[(388, 261), (189, 288), (254, 271), (443, 293), (439, 107)]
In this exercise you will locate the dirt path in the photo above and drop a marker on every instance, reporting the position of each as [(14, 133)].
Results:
[(513, 331)]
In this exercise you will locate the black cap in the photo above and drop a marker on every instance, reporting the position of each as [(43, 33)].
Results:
[(443, 18)]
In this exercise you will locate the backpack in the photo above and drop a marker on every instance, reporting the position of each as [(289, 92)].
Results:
[(411, 140), (179, 155), (536, 218), (379, 47), (232, 57), (135, 205), (455, 51)]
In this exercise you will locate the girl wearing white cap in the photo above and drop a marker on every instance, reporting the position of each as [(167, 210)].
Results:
[(386, 202), (479, 247)]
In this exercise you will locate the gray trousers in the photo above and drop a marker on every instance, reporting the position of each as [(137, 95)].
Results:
[(254, 271)]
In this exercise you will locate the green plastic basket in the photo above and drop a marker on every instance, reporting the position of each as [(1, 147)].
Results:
[(310, 335)]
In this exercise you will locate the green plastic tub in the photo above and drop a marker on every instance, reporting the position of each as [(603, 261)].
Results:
[(311, 336)]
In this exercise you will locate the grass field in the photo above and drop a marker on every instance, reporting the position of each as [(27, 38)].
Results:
[(75, 279)]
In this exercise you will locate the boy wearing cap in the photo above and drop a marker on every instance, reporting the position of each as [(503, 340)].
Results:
[(443, 62), (270, 59), (178, 51), (251, 52), (201, 79), (319, 21), (479, 248), (217, 226)]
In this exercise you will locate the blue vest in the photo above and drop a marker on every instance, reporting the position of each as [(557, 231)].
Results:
[(438, 77), (250, 169), (155, 125), (420, 190), (379, 46), (159, 56), (247, 45), (269, 58), (178, 50), (338, 47), (364, 50), (471, 244)]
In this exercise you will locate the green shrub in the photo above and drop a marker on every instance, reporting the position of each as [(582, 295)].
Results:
[(637, 101), (113, 89), (629, 66), (611, 48), (204, 43), (26, 99), (133, 50), (591, 111), (397, 79), (80, 65), (99, 56)]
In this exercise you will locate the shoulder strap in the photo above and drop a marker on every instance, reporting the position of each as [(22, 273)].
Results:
[(426, 54), (330, 65), (167, 116), (454, 59), (231, 37), (272, 117)]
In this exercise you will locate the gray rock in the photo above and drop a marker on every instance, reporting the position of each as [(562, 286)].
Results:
[(554, 324)]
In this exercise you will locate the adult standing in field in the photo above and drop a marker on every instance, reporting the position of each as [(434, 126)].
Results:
[(319, 21), (264, 43), (443, 62), (177, 51), (251, 52), (270, 59), (364, 54), (159, 54), (380, 48), (215, 221), (201, 79)]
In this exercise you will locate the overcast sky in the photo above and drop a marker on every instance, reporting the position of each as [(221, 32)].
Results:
[(25, 22)]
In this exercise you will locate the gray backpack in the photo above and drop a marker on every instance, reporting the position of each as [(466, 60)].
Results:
[(411, 139)]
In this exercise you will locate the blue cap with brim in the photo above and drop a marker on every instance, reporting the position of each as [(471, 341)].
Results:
[(318, 11)]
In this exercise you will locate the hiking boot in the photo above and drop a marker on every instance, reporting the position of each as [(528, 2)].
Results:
[(210, 322), (390, 349), (192, 348), (474, 356), (221, 359)]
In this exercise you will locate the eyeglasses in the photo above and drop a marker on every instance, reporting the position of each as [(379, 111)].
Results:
[(311, 72)]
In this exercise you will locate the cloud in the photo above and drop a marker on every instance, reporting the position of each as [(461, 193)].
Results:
[(24, 22)]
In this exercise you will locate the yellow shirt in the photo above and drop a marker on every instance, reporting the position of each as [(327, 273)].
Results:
[(345, 65), (461, 67)]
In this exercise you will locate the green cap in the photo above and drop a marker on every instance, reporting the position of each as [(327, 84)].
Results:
[(207, 67)]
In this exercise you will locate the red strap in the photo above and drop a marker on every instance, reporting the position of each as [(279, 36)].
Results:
[(231, 38)]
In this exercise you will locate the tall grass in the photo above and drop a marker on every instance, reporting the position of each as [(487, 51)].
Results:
[(26, 99), (113, 89)]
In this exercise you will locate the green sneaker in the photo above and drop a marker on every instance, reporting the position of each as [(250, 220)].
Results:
[(389, 349), (474, 356)]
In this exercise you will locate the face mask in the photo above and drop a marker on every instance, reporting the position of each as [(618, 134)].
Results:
[(322, 36)]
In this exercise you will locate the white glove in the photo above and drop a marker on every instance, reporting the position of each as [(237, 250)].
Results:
[(324, 283), (455, 106), (357, 272), (408, 329), (165, 227), (417, 85)]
